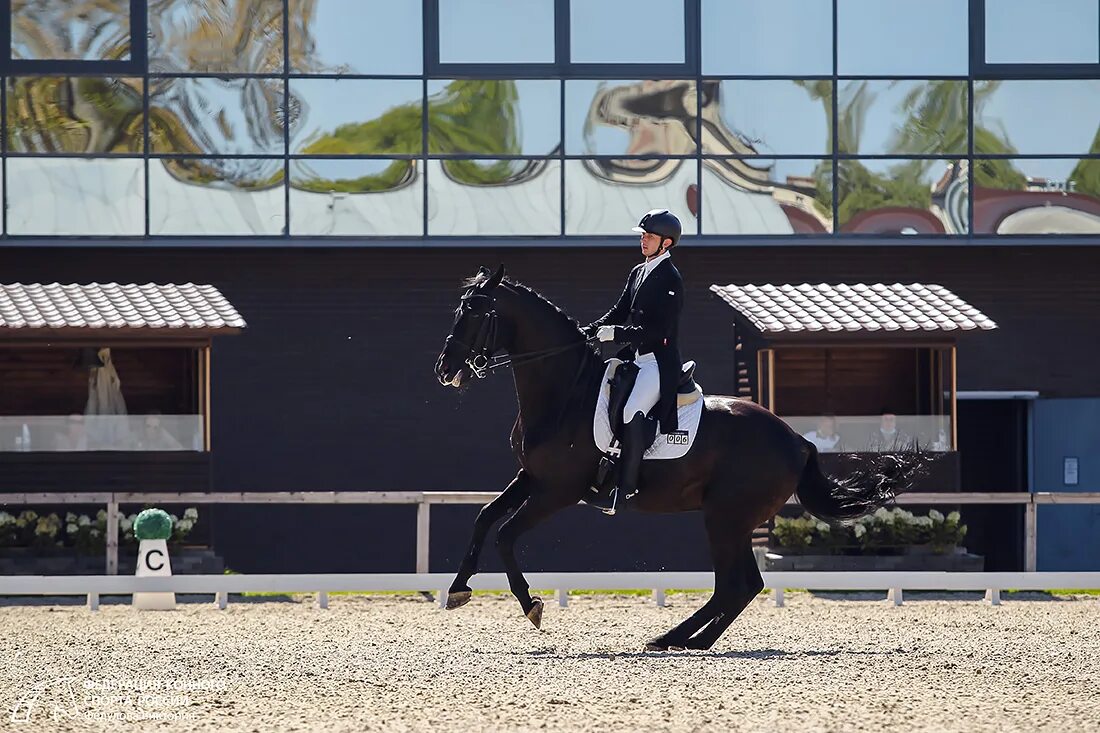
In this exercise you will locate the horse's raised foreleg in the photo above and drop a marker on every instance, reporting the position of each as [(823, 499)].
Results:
[(537, 508), (490, 514), (745, 584)]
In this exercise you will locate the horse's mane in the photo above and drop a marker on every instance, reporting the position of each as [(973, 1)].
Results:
[(528, 291)]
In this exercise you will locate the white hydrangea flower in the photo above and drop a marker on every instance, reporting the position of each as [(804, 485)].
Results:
[(923, 521), (83, 521), (132, 517), (881, 513), (822, 527), (185, 525), (94, 532), (954, 517), (935, 516), (101, 515), (174, 518), (70, 517), (860, 530), (191, 513), (71, 528), (125, 524), (6, 518)]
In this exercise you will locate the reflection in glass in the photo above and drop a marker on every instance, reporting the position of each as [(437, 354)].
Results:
[(1029, 32), (768, 37), (609, 32), (78, 432), (1037, 196), (210, 36), (355, 117), (74, 114), (360, 37), (882, 37), (494, 117), (761, 196), (893, 117), (84, 196), (356, 197), (874, 433), (1034, 117), (220, 116), (767, 117), (902, 196), (630, 117), (494, 197), (607, 196), (216, 196), (496, 31), (51, 30)]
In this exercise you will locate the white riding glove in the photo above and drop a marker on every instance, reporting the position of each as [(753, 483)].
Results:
[(606, 333)]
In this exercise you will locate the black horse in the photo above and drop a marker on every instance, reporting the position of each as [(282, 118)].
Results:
[(742, 468)]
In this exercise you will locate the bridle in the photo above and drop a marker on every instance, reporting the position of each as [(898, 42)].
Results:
[(481, 354)]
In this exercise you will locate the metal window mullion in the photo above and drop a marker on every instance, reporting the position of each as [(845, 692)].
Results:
[(835, 96), (561, 157), (970, 184), (286, 118), (145, 149)]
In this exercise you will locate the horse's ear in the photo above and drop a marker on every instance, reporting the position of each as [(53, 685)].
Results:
[(483, 270), (494, 279)]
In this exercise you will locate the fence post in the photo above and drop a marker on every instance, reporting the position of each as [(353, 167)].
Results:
[(221, 599), (777, 594), (93, 601), (1031, 542), (112, 536), (659, 596), (423, 532), (322, 599), (563, 597), (895, 596), (993, 596)]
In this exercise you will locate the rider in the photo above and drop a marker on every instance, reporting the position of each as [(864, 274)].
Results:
[(647, 318)]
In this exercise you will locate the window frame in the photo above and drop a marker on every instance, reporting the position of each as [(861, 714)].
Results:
[(562, 67), (981, 69)]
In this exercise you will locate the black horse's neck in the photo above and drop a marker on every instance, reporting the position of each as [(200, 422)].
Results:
[(544, 386)]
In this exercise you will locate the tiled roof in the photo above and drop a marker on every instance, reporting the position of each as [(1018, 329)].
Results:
[(111, 305), (850, 308)]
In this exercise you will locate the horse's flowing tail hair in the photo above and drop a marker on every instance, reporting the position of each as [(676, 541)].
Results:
[(876, 479)]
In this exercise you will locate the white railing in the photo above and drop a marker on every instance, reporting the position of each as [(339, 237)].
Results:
[(992, 583), (94, 586)]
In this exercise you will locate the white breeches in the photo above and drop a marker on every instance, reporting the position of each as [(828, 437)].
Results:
[(647, 388)]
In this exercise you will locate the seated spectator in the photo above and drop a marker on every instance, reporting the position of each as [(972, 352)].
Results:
[(155, 437), (74, 437), (825, 437), (887, 437)]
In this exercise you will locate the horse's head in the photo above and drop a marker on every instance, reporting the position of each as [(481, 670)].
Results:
[(474, 335)]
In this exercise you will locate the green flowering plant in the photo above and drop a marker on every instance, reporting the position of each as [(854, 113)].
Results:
[(883, 531), (86, 534)]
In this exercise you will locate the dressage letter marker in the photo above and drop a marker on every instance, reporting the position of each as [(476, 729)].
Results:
[(153, 527)]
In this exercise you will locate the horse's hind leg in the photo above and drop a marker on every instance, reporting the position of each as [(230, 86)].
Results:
[(490, 514), (744, 585)]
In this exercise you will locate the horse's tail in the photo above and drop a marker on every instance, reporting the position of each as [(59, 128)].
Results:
[(875, 480)]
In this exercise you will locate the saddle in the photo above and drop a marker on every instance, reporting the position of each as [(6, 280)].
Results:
[(620, 383)]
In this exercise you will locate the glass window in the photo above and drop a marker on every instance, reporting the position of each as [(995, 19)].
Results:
[(216, 196), (767, 196), (608, 196), (355, 117), (768, 37), (882, 37), (890, 197), (630, 117), (494, 117), (1037, 196), (74, 114), (76, 196), (216, 116), (767, 117), (356, 197), (626, 32), (356, 37), (887, 117), (494, 197), (496, 31), (1035, 117), (51, 30), (210, 36), (1030, 32)]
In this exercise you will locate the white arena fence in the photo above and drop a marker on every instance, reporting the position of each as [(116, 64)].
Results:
[(93, 586)]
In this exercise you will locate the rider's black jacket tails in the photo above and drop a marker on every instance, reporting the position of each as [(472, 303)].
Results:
[(648, 318)]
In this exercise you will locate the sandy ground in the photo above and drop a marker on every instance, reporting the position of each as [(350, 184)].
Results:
[(400, 663)]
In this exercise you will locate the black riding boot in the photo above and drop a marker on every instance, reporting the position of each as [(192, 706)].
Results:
[(637, 436)]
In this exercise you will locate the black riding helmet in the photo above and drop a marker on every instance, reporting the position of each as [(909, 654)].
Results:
[(661, 222)]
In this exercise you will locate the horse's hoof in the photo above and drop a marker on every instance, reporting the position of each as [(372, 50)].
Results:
[(458, 599), (535, 614), (660, 644)]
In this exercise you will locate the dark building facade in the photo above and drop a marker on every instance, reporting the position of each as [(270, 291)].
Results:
[(336, 186)]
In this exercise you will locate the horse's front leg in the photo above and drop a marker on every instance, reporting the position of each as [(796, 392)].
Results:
[(538, 507), (512, 496)]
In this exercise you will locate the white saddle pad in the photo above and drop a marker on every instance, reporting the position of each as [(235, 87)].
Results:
[(675, 445)]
